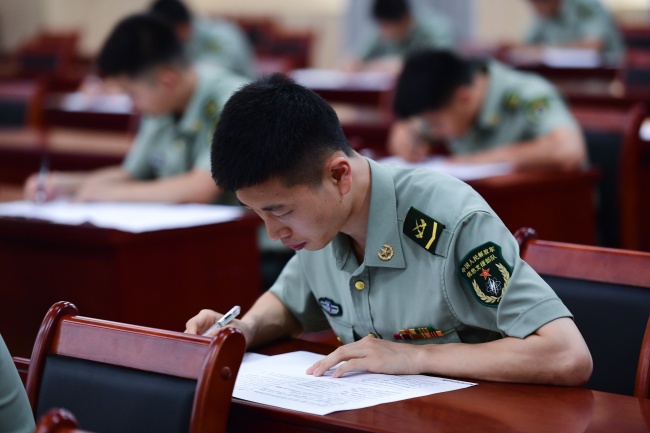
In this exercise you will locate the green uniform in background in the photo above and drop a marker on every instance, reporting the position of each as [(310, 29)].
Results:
[(221, 42), (428, 31), (518, 106), (439, 267), (579, 20), (15, 411), (166, 146)]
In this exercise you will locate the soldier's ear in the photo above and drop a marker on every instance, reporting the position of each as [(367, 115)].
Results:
[(339, 172)]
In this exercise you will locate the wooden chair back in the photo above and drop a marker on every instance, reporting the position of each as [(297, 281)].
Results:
[(119, 377), (21, 103), (634, 178), (608, 292)]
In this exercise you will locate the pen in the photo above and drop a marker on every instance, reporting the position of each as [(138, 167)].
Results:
[(226, 319), (41, 194)]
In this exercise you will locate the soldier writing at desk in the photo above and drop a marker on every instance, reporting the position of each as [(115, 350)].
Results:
[(482, 112), (170, 158), (410, 268)]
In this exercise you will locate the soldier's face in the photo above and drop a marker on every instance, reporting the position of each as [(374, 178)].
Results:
[(452, 120), (301, 216), (149, 94)]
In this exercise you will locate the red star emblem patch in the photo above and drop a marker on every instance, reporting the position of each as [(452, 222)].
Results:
[(485, 273)]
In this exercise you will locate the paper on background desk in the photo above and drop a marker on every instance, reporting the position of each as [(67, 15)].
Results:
[(281, 381), (460, 171), (128, 217)]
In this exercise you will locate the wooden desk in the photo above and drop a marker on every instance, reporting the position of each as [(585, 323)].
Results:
[(486, 408), (157, 279), (359, 88), (101, 114), (21, 150)]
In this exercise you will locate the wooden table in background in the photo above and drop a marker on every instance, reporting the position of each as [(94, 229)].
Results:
[(488, 407), (158, 279), (21, 150)]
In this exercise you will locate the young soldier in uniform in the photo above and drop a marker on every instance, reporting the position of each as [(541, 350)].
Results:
[(401, 33), (578, 24), (170, 158), (210, 40), (391, 259), (482, 112)]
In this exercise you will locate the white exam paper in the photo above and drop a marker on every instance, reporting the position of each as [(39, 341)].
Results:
[(460, 171), (281, 381), (128, 217)]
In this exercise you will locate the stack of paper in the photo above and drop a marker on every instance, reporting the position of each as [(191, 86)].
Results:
[(459, 171), (281, 381)]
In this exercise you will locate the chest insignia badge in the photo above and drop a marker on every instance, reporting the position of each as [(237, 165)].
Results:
[(330, 307), (386, 252)]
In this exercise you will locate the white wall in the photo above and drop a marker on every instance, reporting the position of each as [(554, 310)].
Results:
[(494, 20)]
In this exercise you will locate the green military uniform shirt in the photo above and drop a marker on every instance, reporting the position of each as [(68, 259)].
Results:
[(166, 147), (579, 20), (221, 42), (15, 411), (428, 31), (518, 106), (437, 260)]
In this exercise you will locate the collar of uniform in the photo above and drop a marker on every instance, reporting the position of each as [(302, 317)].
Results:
[(382, 226), (192, 112), (492, 101)]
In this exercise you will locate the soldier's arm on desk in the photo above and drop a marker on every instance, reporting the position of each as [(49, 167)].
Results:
[(562, 148), (554, 354), (267, 320), (66, 184), (195, 186)]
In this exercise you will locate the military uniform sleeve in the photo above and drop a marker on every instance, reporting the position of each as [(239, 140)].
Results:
[(293, 290), (436, 34), (15, 411), (545, 109), (490, 287), (136, 162), (372, 48), (229, 48)]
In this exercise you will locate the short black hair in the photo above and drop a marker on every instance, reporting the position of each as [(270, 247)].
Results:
[(138, 44), (174, 11), (275, 128), (428, 81), (390, 10)]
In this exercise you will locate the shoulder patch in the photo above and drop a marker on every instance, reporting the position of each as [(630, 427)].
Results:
[(210, 108), (486, 273), (511, 100), (536, 109), (422, 229)]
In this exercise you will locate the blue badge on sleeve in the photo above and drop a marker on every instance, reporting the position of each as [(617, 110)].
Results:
[(331, 307)]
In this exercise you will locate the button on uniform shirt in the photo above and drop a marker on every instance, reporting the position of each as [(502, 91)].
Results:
[(439, 267), (221, 42), (165, 146), (518, 106), (428, 31), (578, 20)]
